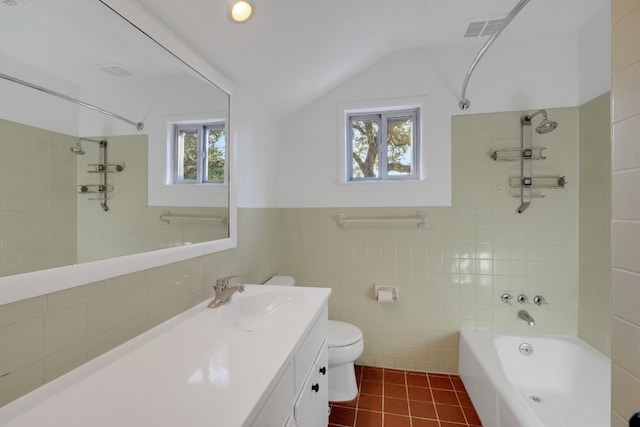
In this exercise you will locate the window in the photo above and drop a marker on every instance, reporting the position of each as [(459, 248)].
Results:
[(383, 145), (200, 153)]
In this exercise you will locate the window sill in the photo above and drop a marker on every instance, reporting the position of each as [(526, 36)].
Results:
[(382, 186)]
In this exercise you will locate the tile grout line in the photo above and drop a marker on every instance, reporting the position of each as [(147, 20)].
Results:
[(387, 377), (406, 389), (464, 414), (355, 417)]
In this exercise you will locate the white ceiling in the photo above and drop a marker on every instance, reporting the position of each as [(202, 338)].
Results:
[(71, 39), (292, 51)]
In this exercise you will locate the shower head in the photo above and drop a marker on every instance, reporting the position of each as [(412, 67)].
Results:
[(77, 149), (545, 125)]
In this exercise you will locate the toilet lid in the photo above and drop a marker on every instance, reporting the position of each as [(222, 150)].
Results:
[(342, 334)]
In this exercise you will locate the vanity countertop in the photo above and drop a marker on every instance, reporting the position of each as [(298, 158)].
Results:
[(200, 368)]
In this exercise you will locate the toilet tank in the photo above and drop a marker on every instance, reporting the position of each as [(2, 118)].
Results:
[(281, 281)]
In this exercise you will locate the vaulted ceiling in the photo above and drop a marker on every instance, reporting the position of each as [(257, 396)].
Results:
[(292, 51)]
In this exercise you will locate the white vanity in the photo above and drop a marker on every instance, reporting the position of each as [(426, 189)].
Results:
[(260, 360)]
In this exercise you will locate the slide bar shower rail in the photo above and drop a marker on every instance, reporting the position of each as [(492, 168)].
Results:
[(138, 125), (464, 102)]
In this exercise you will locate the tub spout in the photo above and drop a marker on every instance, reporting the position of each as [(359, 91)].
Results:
[(524, 315)]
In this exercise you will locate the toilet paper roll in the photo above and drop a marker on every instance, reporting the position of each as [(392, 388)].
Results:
[(385, 296)]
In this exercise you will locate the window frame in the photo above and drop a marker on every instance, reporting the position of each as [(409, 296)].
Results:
[(384, 116), (201, 130)]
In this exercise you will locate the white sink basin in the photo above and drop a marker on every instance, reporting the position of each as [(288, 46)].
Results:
[(262, 311)]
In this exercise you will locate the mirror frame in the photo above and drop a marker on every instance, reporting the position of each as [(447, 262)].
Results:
[(28, 285)]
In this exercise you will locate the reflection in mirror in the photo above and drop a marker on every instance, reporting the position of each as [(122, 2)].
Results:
[(60, 207)]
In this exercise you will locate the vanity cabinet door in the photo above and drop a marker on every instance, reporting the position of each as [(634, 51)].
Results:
[(277, 408), (312, 406), (304, 410), (322, 379)]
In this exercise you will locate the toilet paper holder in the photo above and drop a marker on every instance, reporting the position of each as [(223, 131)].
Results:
[(395, 290)]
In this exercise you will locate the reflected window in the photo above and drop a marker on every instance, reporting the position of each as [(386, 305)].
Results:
[(200, 153), (383, 145)]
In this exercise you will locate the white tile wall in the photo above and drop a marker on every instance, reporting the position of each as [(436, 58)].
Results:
[(625, 347)]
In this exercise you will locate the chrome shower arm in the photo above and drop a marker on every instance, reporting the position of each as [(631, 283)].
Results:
[(529, 117), (464, 102), (101, 142)]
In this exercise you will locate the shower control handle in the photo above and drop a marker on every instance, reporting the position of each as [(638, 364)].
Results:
[(523, 299), (506, 298), (539, 300)]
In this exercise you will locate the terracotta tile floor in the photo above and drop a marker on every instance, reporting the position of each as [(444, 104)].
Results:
[(394, 398)]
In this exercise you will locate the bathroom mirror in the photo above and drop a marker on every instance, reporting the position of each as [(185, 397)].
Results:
[(62, 213)]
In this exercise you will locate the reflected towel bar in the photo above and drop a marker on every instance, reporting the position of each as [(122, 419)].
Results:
[(168, 218), (138, 125), (421, 220)]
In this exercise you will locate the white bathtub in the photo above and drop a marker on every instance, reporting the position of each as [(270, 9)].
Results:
[(563, 382)]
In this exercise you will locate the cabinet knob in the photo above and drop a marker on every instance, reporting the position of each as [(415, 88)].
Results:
[(315, 387), (323, 370)]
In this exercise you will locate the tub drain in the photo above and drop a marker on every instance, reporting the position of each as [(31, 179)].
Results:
[(525, 349), (535, 398)]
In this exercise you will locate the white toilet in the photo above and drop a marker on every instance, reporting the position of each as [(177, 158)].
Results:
[(345, 346)]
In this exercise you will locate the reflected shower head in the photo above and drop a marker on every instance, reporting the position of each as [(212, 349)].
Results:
[(545, 125), (77, 149)]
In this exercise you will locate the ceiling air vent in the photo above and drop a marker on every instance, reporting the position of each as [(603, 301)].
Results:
[(12, 2), (480, 27), (115, 70), (475, 28), (492, 26)]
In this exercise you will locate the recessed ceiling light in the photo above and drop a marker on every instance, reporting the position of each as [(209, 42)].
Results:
[(241, 10)]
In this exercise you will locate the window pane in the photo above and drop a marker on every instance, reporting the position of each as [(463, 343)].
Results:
[(399, 148), (216, 153), (364, 143), (187, 155)]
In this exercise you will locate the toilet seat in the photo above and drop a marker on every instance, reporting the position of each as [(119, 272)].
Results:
[(342, 334)]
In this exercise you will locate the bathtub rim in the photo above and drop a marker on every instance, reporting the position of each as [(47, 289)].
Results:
[(480, 344)]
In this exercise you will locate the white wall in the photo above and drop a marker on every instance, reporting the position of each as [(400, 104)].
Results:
[(33, 108), (508, 78), (258, 145), (158, 102), (309, 150), (595, 54)]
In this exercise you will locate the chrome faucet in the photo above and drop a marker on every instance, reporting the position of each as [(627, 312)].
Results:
[(524, 315), (224, 292)]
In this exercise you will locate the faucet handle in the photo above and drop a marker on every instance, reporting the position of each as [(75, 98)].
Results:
[(506, 298), (539, 300), (223, 282)]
